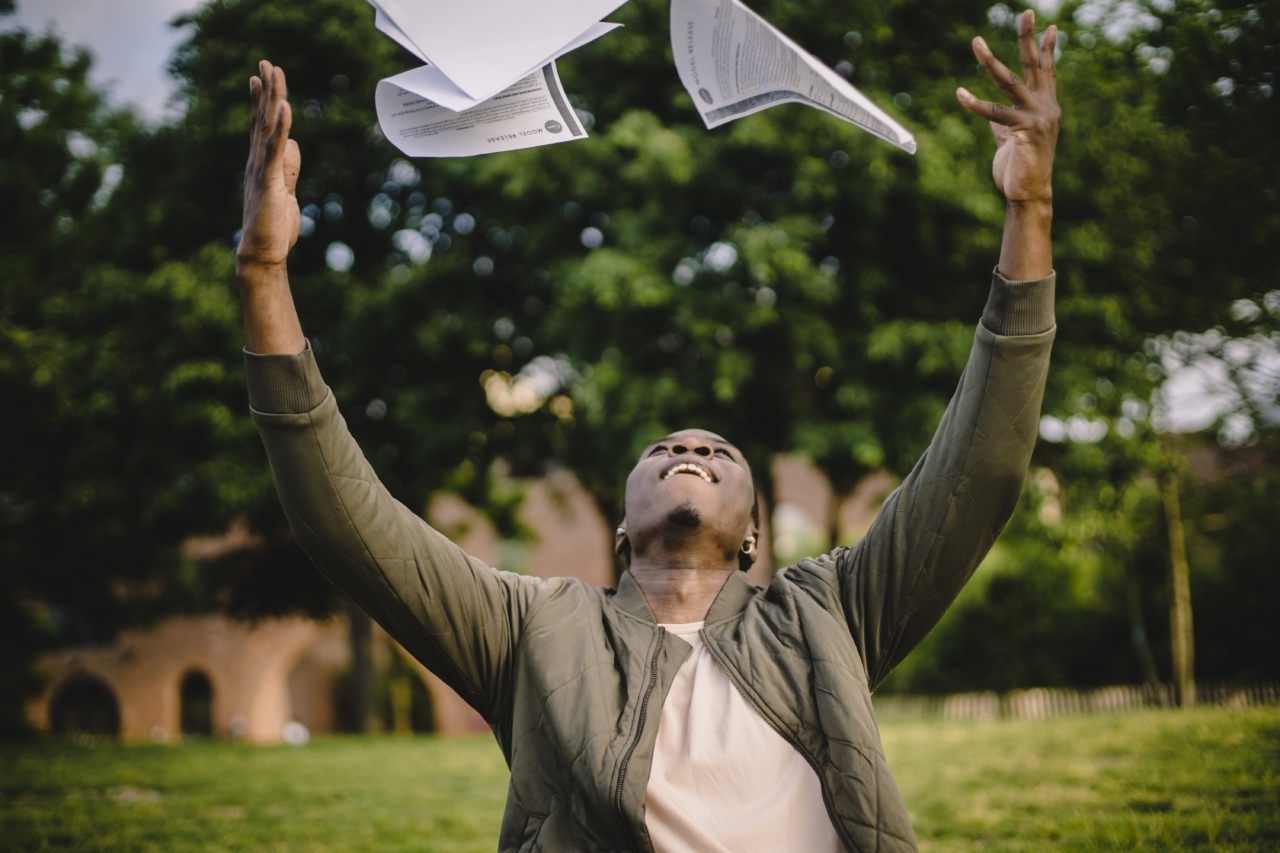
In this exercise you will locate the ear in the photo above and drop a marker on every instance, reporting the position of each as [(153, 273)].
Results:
[(750, 548), (621, 545)]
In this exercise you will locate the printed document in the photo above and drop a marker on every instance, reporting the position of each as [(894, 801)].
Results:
[(483, 46), (533, 111), (439, 89), (734, 63)]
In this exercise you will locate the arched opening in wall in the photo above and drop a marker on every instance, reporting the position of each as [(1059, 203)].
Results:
[(195, 705), (406, 702), (314, 698), (796, 534), (84, 705)]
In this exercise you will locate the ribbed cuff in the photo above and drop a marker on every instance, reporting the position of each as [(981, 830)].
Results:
[(284, 384), (1019, 307)]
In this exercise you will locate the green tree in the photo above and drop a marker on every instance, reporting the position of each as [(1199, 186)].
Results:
[(121, 411), (786, 280), (1166, 215)]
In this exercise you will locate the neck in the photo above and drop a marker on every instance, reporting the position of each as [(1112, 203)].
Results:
[(679, 593)]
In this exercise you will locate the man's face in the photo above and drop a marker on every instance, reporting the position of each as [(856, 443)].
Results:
[(690, 480)]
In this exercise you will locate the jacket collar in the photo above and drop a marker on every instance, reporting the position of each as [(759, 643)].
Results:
[(731, 600)]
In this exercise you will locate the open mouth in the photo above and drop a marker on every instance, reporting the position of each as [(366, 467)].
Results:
[(688, 468)]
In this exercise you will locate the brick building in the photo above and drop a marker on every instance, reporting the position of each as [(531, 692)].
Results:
[(282, 679)]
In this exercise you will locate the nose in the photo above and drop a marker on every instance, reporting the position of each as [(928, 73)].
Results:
[(688, 445)]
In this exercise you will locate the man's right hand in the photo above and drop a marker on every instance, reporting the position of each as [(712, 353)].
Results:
[(271, 215), (271, 221)]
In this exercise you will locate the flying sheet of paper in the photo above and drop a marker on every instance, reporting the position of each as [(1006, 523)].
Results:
[(532, 112), (431, 83), (382, 23), (482, 46), (734, 63)]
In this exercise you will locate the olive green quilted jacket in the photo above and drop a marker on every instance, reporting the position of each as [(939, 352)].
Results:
[(571, 677)]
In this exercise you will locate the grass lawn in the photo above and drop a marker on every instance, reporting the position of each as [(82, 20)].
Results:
[(1207, 779)]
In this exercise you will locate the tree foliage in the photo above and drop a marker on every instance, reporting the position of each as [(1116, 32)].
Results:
[(99, 366), (785, 280)]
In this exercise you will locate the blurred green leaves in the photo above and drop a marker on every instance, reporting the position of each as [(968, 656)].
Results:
[(786, 280)]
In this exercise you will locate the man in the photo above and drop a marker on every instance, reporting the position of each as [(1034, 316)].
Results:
[(750, 729)]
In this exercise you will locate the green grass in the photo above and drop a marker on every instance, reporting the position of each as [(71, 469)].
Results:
[(1207, 779), (340, 794)]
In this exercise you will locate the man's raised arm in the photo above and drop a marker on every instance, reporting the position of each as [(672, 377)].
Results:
[(456, 615), (937, 526)]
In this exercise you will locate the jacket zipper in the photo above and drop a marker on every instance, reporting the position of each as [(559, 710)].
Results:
[(644, 711), (822, 785)]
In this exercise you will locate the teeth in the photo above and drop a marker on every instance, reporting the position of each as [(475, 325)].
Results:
[(688, 468)]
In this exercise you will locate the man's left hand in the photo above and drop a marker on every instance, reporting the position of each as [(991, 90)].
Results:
[(1027, 131)]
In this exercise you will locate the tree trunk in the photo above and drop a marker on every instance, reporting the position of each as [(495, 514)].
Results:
[(1181, 634), (401, 690), (1138, 629), (362, 675)]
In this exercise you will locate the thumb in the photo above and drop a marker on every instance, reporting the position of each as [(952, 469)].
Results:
[(999, 131), (292, 166)]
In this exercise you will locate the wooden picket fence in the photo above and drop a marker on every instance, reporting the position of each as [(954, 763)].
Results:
[(1038, 703)]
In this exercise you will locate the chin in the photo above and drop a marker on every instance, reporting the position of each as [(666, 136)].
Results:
[(685, 515)]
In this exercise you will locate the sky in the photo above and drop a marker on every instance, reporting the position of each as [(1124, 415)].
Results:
[(131, 42)]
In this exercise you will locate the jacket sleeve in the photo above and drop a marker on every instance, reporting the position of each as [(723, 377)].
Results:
[(455, 614), (935, 528)]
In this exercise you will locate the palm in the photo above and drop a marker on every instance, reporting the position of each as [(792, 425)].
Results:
[(1019, 172), (272, 218)]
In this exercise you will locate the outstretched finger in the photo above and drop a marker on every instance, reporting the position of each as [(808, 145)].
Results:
[(1011, 84), (255, 135), (277, 142), (255, 96), (263, 103), (1049, 44), (1027, 49), (994, 113), (278, 117), (276, 91), (265, 71), (259, 124)]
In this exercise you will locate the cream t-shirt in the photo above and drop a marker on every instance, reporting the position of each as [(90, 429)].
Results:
[(723, 781)]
